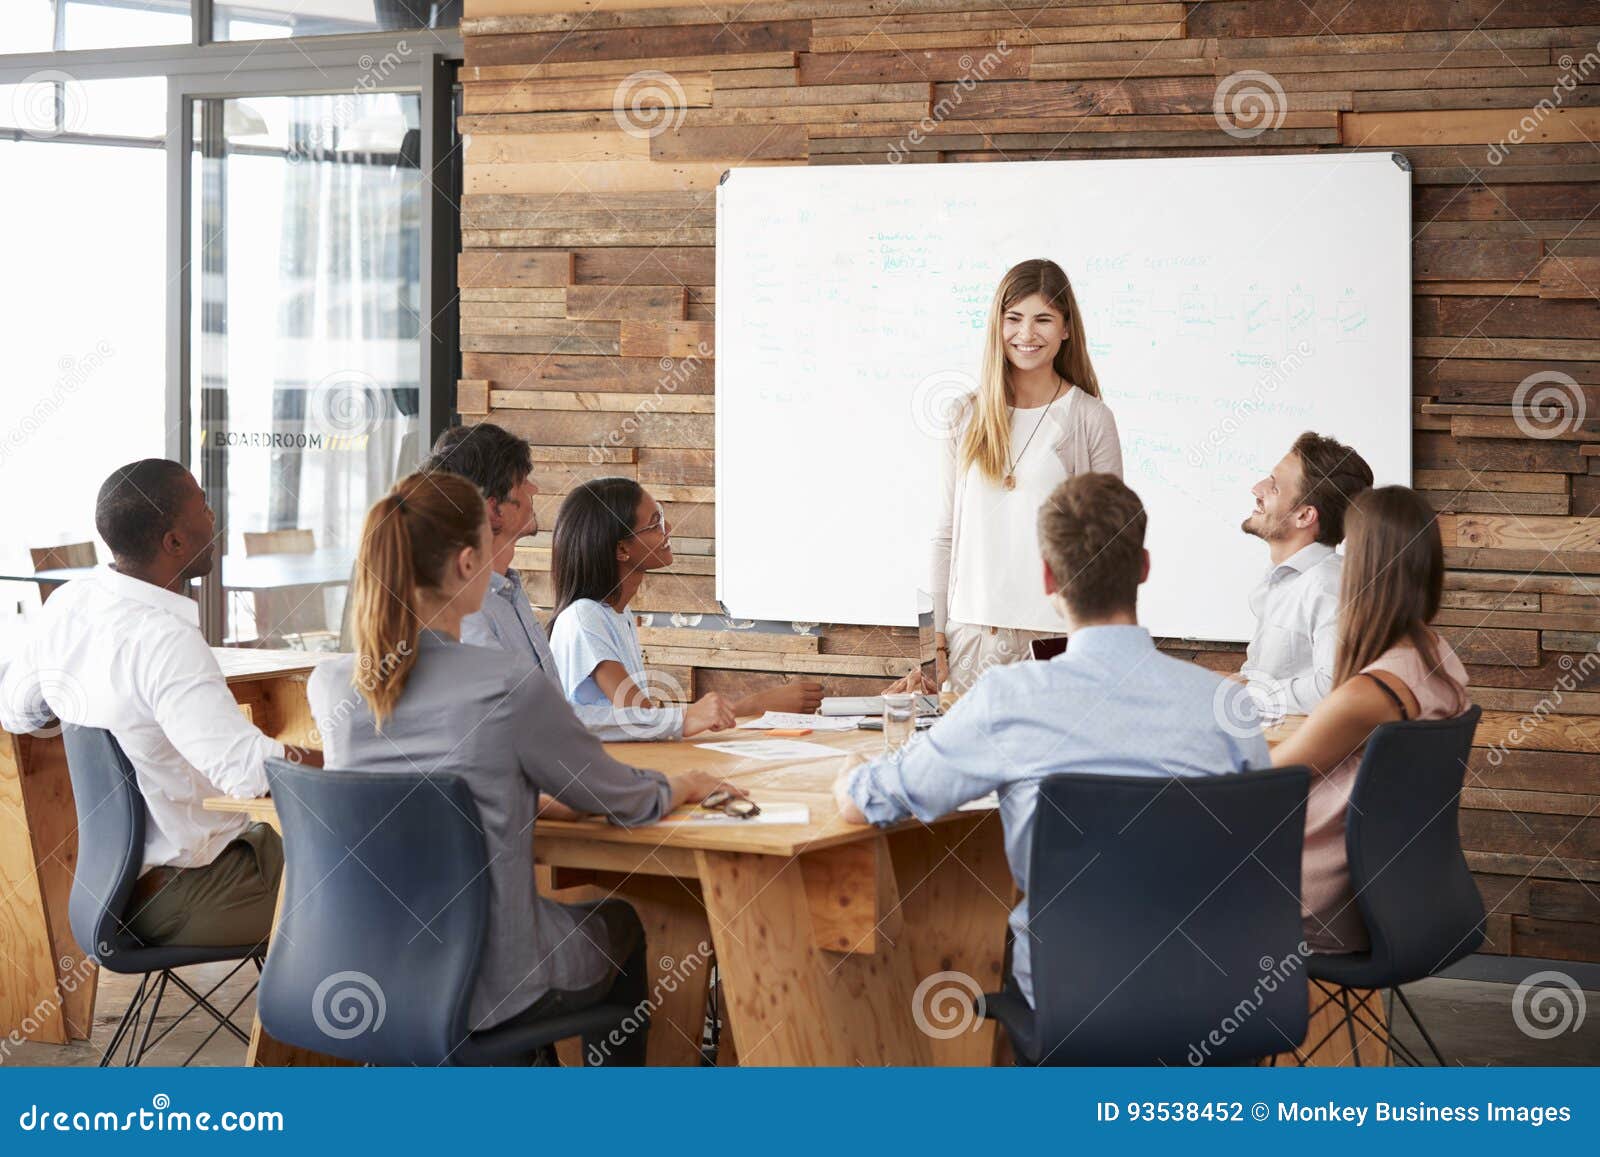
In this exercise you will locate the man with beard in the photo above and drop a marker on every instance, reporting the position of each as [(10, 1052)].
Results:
[(1299, 513)]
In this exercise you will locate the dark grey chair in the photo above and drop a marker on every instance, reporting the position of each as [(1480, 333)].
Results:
[(1422, 909), (110, 853), (1164, 921), (385, 910)]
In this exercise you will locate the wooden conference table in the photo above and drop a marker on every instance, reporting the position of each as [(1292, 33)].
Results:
[(824, 933)]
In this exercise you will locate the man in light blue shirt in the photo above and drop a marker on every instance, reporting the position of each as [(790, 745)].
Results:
[(1111, 704), (498, 463)]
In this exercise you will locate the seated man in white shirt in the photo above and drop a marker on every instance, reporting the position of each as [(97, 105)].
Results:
[(122, 650), (1299, 513)]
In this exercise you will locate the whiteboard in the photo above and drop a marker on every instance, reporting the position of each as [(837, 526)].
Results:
[(1229, 304)]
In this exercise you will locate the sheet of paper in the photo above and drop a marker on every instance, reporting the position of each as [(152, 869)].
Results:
[(771, 813), (773, 749), (981, 804), (789, 720)]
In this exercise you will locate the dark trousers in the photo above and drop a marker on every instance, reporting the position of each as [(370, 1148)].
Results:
[(227, 902), (615, 929)]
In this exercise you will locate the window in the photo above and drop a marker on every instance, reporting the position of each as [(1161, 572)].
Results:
[(263, 19), (306, 267), (82, 329), (69, 25)]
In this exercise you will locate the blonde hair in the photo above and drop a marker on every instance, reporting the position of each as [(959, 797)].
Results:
[(409, 536), (987, 441)]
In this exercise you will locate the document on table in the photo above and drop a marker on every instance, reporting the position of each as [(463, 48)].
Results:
[(771, 813), (792, 721), (982, 804), (790, 749)]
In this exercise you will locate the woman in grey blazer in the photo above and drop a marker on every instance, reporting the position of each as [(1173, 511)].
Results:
[(413, 698)]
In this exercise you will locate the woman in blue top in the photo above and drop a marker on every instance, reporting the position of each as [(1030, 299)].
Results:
[(609, 533)]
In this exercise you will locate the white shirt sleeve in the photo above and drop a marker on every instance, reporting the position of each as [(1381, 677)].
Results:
[(22, 702), (1308, 689), (201, 719)]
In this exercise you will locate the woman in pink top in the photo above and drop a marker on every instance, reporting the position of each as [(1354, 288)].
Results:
[(1390, 666)]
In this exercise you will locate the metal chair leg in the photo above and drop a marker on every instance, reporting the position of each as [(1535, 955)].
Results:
[(150, 1021), (1421, 1028), (129, 1017), (1350, 1025)]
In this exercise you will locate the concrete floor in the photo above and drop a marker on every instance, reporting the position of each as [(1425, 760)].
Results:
[(1471, 1021)]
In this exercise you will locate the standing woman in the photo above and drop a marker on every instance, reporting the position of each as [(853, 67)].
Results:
[(1035, 420)]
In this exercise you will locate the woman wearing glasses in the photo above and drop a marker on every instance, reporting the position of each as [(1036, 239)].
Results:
[(609, 534)]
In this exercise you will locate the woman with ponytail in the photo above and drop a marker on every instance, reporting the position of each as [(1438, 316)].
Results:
[(1035, 420), (413, 699)]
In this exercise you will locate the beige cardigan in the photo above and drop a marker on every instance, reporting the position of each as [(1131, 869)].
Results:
[(1085, 442)]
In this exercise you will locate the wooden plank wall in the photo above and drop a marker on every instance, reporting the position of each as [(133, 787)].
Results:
[(588, 290)]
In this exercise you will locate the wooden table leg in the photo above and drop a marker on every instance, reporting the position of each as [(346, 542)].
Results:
[(956, 892), (791, 1002), (678, 951), (49, 988)]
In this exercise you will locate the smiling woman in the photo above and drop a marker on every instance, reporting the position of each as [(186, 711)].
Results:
[(1035, 420)]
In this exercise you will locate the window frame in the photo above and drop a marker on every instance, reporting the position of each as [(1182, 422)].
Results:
[(203, 69)]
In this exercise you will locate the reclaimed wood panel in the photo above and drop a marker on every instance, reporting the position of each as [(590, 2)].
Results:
[(588, 286)]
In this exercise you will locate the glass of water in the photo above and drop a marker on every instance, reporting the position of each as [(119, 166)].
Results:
[(899, 719)]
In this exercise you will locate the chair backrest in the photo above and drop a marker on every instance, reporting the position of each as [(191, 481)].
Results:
[(60, 557), (298, 540), (1421, 906), (105, 791), (1047, 648), (285, 614), (73, 554), (385, 904), (1164, 917)]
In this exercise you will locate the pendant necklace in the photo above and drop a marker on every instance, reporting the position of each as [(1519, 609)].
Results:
[(1011, 474)]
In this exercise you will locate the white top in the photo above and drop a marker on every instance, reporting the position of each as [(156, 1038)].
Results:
[(1290, 661), (589, 633), (122, 654)]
